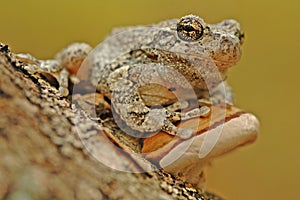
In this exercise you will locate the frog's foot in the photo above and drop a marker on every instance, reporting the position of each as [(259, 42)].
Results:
[(171, 129), (174, 115), (63, 81), (161, 119), (171, 117), (157, 119), (33, 65)]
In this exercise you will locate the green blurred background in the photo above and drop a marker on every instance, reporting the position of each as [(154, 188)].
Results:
[(266, 80)]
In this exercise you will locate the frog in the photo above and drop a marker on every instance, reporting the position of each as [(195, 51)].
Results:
[(153, 74)]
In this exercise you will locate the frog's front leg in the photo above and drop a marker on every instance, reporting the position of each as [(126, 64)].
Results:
[(124, 85), (139, 117), (196, 112)]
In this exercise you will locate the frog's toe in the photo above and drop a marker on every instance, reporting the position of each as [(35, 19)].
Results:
[(64, 91), (203, 111), (185, 133)]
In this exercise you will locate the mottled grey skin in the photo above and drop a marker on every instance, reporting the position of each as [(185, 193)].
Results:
[(146, 69), (152, 73)]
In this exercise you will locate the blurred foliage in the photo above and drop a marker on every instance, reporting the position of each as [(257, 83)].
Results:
[(265, 81)]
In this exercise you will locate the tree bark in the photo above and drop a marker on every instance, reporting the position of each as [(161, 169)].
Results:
[(42, 156)]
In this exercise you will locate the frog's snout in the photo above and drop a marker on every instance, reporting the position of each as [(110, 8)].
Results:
[(233, 27)]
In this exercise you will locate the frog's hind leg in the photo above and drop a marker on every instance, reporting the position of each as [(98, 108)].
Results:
[(54, 69), (70, 59), (48, 68), (62, 68)]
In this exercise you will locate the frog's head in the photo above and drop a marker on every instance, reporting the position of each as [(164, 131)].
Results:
[(220, 41)]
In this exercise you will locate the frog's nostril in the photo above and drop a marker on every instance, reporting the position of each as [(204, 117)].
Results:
[(241, 36)]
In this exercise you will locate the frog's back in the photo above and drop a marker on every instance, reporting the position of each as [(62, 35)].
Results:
[(122, 41)]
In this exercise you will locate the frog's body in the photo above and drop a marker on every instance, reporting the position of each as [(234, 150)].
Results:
[(149, 72)]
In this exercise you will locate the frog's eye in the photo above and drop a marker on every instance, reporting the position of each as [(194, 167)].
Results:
[(189, 28)]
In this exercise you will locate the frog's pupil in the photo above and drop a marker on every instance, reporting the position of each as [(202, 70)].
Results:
[(189, 28)]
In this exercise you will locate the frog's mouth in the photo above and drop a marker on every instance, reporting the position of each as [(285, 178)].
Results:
[(227, 56), (227, 53)]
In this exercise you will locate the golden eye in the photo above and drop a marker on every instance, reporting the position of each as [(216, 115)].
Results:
[(189, 28)]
